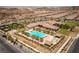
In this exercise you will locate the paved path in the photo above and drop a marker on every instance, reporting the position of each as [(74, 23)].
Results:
[(63, 45)]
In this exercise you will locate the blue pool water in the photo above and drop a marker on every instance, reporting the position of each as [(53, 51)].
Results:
[(37, 34)]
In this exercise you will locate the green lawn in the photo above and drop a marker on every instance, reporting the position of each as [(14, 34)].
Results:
[(63, 31), (68, 25), (72, 24)]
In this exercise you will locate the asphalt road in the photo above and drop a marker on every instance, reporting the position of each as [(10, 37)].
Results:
[(75, 47), (6, 47)]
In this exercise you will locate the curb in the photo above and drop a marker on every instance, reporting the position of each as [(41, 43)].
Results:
[(30, 47)]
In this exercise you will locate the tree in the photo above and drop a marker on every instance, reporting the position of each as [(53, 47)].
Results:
[(10, 38), (41, 39), (64, 26), (28, 34), (16, 41)]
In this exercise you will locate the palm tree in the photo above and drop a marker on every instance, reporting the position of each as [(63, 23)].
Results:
[(33, 37), (41, 39), (28, 34), (16, 41), (10, 38), (37, 38)]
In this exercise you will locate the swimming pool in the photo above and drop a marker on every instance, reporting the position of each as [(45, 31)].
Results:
[(38, 34)]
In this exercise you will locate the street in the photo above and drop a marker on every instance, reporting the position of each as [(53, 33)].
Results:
[(6, 47), (75, 47)]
